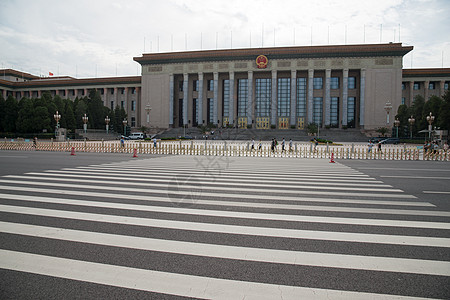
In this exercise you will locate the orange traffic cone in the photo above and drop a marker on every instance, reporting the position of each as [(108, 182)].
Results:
[(73, 151), (135, 152), (332, 158)]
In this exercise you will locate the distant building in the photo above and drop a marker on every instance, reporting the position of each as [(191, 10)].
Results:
[(286, 87)]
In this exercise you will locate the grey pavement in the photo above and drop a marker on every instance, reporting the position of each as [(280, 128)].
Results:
[(109, 226)]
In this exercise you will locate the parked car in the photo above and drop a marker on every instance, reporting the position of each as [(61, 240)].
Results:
[(394, 141), (376, 140), (137, 136)]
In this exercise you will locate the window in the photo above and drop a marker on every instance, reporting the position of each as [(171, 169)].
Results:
[(403, 100), (180, 86), (301, 97), (317, 111), (352, 83), (122, 91), (112, 91), (334, 83), (195, 111), (334, 111), (226, 97), (122, 104), (351, 102), (416, 86), (263, 97), (242, 97), (133, 122), (133, 105), (102, 92), (210, 85), (317, 83), (431, 86), (210, 116), (112, 105), (446, 86), (284, 97), (403, 86), (133, 91), (195, 86)]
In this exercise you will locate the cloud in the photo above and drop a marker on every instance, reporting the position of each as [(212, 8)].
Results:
[(82, 38)]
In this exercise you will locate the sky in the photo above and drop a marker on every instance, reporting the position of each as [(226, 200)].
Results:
[(99, 38)]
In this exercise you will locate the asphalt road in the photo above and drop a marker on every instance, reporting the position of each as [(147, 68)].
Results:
[(110, 226)]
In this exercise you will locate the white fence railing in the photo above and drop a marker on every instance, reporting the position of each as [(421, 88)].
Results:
[(233, 148)]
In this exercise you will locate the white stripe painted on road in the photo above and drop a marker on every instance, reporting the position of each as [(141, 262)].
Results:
[(208, 177), (210, 227), (208, 181), (436, 192), (167, 283), (416, 177), (196, 186), (216, 196), (228, 214), (326, 260), (208, 194)]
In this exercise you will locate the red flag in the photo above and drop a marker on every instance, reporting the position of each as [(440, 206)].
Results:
[(50, 74)]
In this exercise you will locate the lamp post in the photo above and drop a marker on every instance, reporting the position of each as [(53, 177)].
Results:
[(57, 117), (387, 108), (430, 119), (396, 124), (85, 120), (107, 120), (124, 122), (411, 123)]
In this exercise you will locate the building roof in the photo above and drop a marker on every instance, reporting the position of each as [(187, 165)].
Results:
[(363, 50), (15, 73), (426, 72), (72, 82)]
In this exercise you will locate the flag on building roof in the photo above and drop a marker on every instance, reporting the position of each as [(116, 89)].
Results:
[(50, 74)]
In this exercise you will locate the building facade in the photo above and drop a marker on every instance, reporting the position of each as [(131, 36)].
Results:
[(347, 86)]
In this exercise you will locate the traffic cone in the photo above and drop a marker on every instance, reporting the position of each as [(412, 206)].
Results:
[(332, 158), (135, 153), (73, 151)]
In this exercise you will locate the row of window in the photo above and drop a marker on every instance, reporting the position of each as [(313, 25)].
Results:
[(431, 85), (317, 83), (122, 105)]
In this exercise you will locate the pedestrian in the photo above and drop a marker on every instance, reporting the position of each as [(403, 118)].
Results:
[(435, 147), (253, 144), (445, 147), (290, 145), (379, 147), (370, 145), (283, 142), (35, 142), (154, 142), (260, 145), (272, 146), (316, 143), (122, 142)]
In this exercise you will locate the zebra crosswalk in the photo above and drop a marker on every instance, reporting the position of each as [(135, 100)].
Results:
[(219, 228)]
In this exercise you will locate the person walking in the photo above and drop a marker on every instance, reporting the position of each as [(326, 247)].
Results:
[(283, 142), (35, 143), (122, 142), (272, 146), (290, 145), (379, 147), (370, 145), (253, 144), (260, 145), (154, 142)]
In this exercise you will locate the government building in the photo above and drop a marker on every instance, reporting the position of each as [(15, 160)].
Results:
[(341, 86)]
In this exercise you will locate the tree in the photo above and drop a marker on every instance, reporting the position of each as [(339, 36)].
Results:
[(11, 111), (2, 111), (443, 120), (95, 110), (69, 117), (382, 131), (24, 122), (80, 110)]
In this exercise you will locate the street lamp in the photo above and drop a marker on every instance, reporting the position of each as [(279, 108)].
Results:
[(57, 117), (85, 120), (430, 119), (387, 108), (411, 123), (107, 120), (124, 122), (396, 124)]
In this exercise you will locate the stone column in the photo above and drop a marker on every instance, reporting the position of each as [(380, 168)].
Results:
[(310, 95), (231, 102), (116, 101), (411, 92), (138, 106), (200, 99), (39, 92), (425, 89), (250, 100), (293, 113), (441, 88), (327, 96), (274, 107), (185, 97), (171, 96), (216, 98), (345, 97), (362, 98), (86, 92)]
